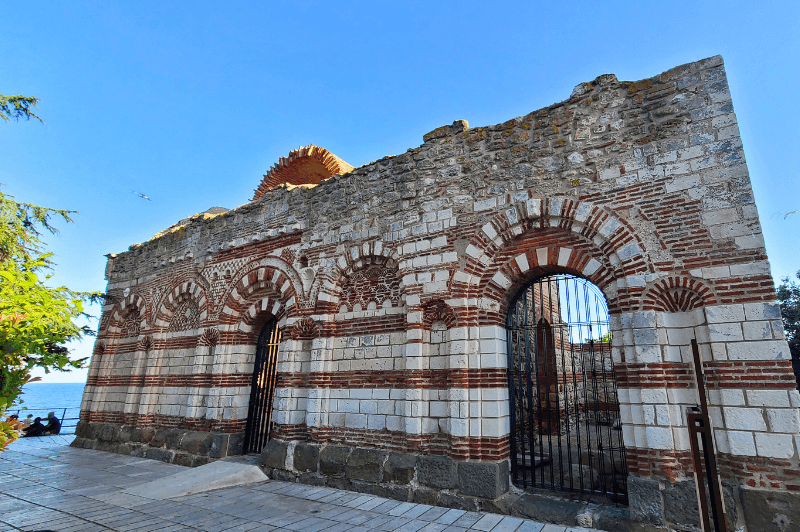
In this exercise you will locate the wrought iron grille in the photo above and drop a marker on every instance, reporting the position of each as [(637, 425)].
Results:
[(565, 426), (262, 388)]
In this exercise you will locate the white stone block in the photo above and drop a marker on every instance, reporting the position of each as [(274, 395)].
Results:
[(784, 420), (659, 438), (744, 418), (763, 350), (725, 313), (725, 332), (644, 354), (773, 398), (774, 445), (680, 436), (762, 311), (794, 398), (522, 262), (654, 395), (731, 397), (501, 280)]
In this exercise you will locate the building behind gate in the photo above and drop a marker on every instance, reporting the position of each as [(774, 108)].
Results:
[(499, 319)]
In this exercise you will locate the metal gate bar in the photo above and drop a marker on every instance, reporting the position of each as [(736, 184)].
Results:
[(704, 460), (565, 428), (262, 388)]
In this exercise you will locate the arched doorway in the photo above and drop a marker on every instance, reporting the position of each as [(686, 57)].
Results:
[(262, 388), (565, 425)]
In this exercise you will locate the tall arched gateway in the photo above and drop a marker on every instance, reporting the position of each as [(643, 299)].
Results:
[(565, 426), (262, 388)]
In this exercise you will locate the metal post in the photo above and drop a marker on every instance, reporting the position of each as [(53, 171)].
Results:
[(705, 466)]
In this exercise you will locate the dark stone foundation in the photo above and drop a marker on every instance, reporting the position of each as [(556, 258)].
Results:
[(435, 480), (178, 446)]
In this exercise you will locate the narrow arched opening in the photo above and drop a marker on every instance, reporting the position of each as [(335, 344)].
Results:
[(262, 388), (565, 425)]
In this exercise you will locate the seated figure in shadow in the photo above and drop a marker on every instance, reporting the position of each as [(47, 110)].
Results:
[(36, 429), (53, 425)]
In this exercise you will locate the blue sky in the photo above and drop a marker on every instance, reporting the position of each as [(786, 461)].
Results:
[(191, 102)]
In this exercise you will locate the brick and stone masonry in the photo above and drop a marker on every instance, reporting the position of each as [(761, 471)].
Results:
[(391, 283)]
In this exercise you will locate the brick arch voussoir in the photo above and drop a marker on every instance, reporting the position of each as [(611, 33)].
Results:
[(262, 275), (193, 287), (357, 257), (438, 310), (132, 304), (504, 280), (614, 236), (677, 293)]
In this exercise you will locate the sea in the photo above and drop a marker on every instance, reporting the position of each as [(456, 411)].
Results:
[(64, 399)]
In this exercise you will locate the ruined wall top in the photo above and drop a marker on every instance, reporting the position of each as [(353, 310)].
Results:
[(662, 154)]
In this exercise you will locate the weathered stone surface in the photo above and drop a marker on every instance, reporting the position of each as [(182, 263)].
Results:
[(423, 495), (164, 455), (399, 468), (196, 442), (311, 478), (283, 475), (338, 483), (235, 444), (219, 445), (483, 479), (437, 472), (680, 504), (365, 464), (450, 500), (306, 456), (274, 454), (770, 510), (332, 459), (159, 438), (548, 510), (173, 437), (644, 500)]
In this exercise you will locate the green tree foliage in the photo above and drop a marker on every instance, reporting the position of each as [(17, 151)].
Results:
[(789, 298), (17, 107), (36, 320)]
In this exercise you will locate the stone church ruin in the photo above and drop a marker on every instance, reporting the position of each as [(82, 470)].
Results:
[(499, 319)]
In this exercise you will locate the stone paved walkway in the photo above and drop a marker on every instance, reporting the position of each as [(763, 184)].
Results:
[(47, 485)]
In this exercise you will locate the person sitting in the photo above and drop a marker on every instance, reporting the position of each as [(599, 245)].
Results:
[(53, 425), (25, 423), (36, 429)]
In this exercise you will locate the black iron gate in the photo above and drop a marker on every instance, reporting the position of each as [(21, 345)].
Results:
[(261, 390), (565, 426)]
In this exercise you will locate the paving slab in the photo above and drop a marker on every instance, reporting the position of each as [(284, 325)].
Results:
[(47, 485)]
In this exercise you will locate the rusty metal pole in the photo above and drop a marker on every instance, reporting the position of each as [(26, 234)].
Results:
[(705, 465)]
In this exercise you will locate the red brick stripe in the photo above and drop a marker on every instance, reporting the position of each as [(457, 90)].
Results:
[(189, 381), (750, 374), (662, 375), (436, 378), (162, 421), (460, 448)]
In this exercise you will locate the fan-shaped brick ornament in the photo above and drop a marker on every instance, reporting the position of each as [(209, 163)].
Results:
[(305, 166)]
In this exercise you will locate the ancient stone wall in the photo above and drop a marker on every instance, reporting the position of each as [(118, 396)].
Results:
[(391, 285)]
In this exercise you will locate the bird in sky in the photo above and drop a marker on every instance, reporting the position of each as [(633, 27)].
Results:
[(785, 214), (141, 195)]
